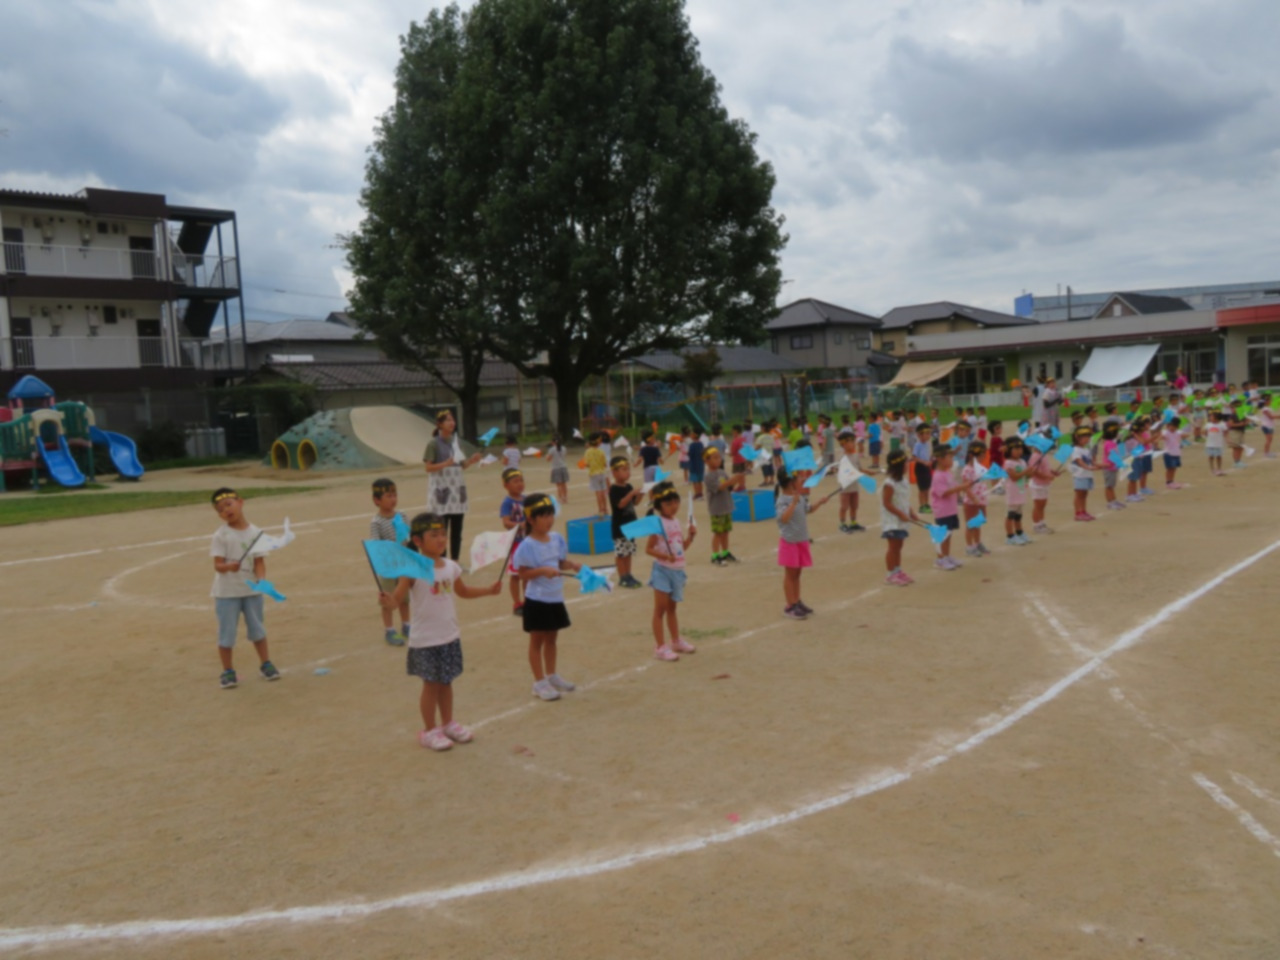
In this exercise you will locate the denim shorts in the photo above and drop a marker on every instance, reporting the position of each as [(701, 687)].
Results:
[(229, 610), (665, 580), (1082, 483), (1172, 462), (876, 447)]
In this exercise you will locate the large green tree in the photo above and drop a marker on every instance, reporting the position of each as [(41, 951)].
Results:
[(595, 200)]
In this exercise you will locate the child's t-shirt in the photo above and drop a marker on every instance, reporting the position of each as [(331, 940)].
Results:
[(596, 462), (860, 429), (735, 451), (901, 496), (795, 530), (942, 495), (433, 616), (650, 454), (1015, 495), (620, 515), (873, 433), (513, 509), (1173, 443), (977, 494), (997, 450), (922, 452), (536, 553), (556, 457), (384, 528), (719, 501), (1215, 435), (718, 442), (1081, 461), (674, 543), (696, 462), (511, 457), (229, 544)]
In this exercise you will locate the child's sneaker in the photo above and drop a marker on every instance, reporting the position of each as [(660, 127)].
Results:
[(518, 609), (1024, 540), (560, 683), (1041, 528), (857, 528), (269, 670), (804, 608), (1133, 498), (457, 732), (1146, 491), (972, 552), (435, 740), (794, 612), (1115, 505), (681, 645), (1173, 486), (630, 582), (953, 563), (903, 579), (729, 558), (665, 653), (392, 637), (228, 679), (944, 563), (545, 691), (982, 549), (404, 630), (924, 509), (1012, 541), (717, 560)]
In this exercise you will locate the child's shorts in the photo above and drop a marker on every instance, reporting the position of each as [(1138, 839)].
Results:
[(668, 581), (1039, 491), (388, 584), (598, 482), (1109, 478), (766, 470), (894, 535), (559, 474), (1235, 438), (1172, 462), (229, 610), (696, 474), (723, 523), (876, 447), (650, 474), (1082, 483), (951, 523), (1213, 451), (794, 555), (739, 468), (1014, 515), (440, 664), (924, 477), (623, 547), (542, 617), (1268, 431)]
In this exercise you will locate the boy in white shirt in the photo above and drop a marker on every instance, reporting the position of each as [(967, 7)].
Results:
[(232, 595)]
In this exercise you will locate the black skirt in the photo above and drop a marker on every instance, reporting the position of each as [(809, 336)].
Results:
[(540, 617)]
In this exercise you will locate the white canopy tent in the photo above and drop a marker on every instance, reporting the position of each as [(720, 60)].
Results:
[(1112, 366)]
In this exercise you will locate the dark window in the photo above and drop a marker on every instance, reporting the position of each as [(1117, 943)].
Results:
[(110, 314), (889, 345), (1057, 369), (801, 341), (863, 343), (839, 337), (1075, 369)]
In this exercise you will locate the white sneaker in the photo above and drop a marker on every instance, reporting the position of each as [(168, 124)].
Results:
[(560, 683), (544, 690)]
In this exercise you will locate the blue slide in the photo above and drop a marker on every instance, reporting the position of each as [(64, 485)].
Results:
[(62, 466), (124, 452)]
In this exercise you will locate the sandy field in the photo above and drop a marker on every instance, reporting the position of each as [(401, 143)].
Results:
[(1066, 750)]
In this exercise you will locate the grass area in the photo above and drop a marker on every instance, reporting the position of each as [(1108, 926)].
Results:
[(70, 504), (182, 462)]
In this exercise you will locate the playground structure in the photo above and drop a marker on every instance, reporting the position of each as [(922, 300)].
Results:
[(37, 433), (352, 438)]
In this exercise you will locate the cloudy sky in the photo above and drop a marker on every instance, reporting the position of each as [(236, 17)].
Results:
[(967, 150)]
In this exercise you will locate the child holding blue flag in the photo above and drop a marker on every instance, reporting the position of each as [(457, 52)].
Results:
[(895, 514), (1082, 470), (541, 558), (1015, 465), (793, 508), (389, 524), (435, 646), (975, 497), (668, 577), (232, 595), (511, 514), (720, 506)]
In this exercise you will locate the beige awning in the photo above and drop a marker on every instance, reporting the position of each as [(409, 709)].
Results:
[(916, 373)]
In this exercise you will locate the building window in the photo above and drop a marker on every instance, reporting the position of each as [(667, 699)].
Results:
[(801, 341), (889, 346), (1029, 375), (1075, 369), (839, 338), (863, 343), (1057, 369), (492, 408), (1044, 369)]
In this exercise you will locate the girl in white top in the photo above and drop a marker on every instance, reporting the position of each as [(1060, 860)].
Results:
[(895, 514), (435, 644), (1215, 440)]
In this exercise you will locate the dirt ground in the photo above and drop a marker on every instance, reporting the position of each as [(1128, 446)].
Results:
[(1065, 750)]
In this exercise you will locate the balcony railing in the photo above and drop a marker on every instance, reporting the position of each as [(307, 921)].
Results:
[(105, 263), (98, 353)]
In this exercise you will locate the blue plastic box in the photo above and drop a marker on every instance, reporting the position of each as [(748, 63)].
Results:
[(752, 506), (590, 535)]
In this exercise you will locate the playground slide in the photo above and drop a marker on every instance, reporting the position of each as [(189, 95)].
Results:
[(124, 452), (62, 466), (692, 416)]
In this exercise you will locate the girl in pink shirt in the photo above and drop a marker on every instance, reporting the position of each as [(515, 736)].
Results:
[(1015, 492), (975, 497), (944, 494), (1172, 452)]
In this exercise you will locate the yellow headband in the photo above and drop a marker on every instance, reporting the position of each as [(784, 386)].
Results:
[(228, 495), (422, 525), (667, 495), (539, 504)]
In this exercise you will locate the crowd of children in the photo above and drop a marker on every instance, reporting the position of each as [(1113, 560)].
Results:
[(956, 470)]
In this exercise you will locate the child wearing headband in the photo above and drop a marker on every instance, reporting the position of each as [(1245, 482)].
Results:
[(557, 455), (540, 559), (895, 514), (1082, 470), (793, 509), (232, 597), (435, 645), (975, 497), (383, 527), (668, 578), (1015, 492), (511, 513), (622, 504)]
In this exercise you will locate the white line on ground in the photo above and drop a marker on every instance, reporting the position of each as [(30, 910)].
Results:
[(136, 930), (1243, 781), (1256, 830)]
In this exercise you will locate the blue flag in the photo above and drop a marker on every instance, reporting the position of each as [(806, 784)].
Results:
[(817, 478), (867, 483), (267, 588), (591, 581), (1117, 459), (938, 533), (393, 561), (955, 443), (401, 528), (1063, 453), (801, 459), (1042, 444), (1054, 433), (978, 521), (995, 472), (649, 526), (488, 436), (659, 475)]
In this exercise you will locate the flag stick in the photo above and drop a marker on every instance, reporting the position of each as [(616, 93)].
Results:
[(253, 544), (376, 579), (510, 552)]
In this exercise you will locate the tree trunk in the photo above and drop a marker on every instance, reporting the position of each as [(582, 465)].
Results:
[(567, 416)]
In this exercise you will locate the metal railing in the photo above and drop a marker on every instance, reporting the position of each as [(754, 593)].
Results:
[(114, 263), (98, 353)]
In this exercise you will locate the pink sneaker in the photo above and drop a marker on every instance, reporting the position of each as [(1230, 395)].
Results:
[(457, 732), (664, 652), (435, 739), (898, 579), (904, 579), (683, 646), (1173, 486)]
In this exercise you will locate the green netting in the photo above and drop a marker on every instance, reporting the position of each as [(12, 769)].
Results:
[(335, 444)]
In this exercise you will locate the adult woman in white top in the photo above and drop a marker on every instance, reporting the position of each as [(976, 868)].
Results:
[(446, 485)]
